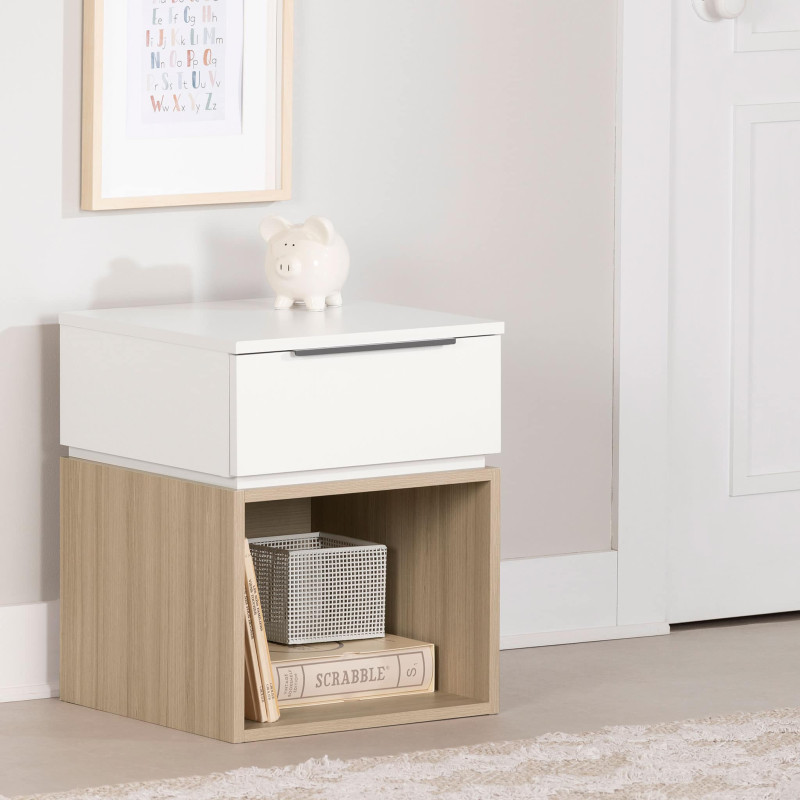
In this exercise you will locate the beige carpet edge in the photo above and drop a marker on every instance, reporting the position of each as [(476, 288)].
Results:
[(314, 768)]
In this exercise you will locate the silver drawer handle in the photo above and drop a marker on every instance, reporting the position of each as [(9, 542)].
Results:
[(360, 348)]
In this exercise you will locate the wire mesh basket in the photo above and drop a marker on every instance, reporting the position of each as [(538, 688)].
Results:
[(320, 587)]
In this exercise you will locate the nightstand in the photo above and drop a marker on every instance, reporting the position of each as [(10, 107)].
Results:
[(191, 427)]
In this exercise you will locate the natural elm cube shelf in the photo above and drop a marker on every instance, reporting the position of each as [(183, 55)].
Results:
[(192, 428)]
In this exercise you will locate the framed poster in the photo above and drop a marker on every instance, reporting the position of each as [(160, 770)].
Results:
[(186, 102)]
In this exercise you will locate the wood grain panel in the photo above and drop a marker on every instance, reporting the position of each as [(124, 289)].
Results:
[(278, 518), (152, 615), (309, 720), (367, 485)]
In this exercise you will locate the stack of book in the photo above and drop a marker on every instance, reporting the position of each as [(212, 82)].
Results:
[(260, 701), (329, 672)]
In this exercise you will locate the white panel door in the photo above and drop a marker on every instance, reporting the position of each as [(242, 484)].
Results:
[(735, 314)]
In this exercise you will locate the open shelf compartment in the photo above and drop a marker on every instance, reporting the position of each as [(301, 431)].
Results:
[(441, 587)]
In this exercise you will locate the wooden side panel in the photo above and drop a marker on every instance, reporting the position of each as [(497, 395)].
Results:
[(443, 571), (151, 586), (489, 503)]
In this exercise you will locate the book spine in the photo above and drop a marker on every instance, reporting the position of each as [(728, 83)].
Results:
[(255, 700), (356, 677), (264, 663)]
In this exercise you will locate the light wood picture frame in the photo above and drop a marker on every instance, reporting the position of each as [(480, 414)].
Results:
[(250, 164)]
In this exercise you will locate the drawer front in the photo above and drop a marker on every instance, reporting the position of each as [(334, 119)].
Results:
[(345, 409)]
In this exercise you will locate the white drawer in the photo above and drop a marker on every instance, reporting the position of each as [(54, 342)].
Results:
[(374, 406)]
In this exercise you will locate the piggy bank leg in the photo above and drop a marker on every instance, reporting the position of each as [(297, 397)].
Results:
[(334, 299), (315, 303), (282, 301)]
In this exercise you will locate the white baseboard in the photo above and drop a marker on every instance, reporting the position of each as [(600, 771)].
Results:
[(28, 651), (41, 691), (558, 593), (582, 635), (543, 601), (563, 600)]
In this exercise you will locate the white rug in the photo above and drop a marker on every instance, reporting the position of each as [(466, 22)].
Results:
[(738, 757)]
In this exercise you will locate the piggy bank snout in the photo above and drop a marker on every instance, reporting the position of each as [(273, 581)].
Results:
[(288, 266)]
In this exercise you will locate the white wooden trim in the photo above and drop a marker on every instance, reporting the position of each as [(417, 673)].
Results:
[(583, 635), (29, 651), (643, 248), (39, 691), (558, 593), (743, 482), (563, 600)]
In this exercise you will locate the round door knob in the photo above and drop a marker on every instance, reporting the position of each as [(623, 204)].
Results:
[(714, 10)]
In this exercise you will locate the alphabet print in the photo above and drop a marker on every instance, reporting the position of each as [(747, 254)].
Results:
[(184, 66)]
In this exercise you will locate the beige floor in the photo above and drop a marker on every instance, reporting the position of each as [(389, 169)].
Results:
[(46, 745)]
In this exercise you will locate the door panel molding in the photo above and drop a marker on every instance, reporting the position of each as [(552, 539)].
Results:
[(744, 355), (768, 25)]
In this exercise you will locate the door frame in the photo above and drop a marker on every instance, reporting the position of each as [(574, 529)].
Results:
[(622, 592), (641, 381)]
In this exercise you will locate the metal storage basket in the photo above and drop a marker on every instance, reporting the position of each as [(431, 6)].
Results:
[(320, 587)]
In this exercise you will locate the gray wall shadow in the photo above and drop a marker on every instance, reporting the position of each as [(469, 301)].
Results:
[(130, 284), (237, 267), (30, 353)]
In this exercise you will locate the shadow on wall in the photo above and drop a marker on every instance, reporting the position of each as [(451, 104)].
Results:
[(129, 284), (235, 265), (31, 354), (49, 371), (29, 570)]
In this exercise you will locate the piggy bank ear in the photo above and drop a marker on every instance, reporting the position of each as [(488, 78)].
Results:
[(320, 228), (272, 226)]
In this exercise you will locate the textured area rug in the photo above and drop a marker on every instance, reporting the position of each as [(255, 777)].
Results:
[(738, 757)]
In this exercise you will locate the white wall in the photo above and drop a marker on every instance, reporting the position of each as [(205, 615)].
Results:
[(454, 142)]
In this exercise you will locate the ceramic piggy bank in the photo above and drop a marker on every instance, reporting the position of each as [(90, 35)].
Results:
[(306, 263)]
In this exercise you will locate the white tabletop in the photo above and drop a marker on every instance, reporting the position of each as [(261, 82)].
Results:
[(254, 326)]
